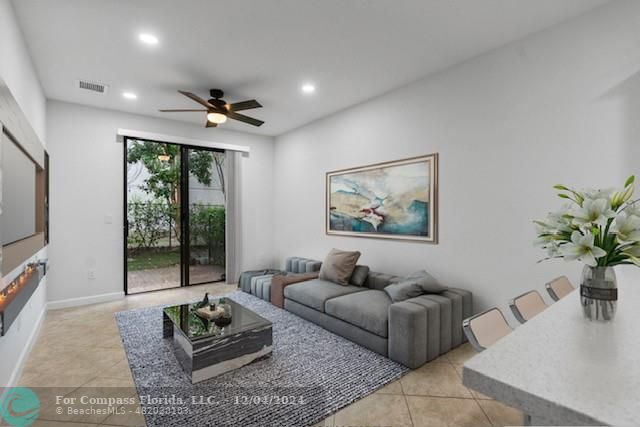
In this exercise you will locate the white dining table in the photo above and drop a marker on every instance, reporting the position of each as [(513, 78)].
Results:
[(562, 369)]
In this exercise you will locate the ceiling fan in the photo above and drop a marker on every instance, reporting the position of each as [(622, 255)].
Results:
[(218, 110)]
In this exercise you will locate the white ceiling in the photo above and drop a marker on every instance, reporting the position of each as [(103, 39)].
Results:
[(352, 50)]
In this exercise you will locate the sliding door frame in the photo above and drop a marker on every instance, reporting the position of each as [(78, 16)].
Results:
[(186, 215), (185, 237)]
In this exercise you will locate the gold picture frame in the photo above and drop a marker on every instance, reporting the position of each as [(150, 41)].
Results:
[(390, 200)]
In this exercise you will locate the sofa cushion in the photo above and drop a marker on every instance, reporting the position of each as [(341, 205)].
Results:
[(380, 280), (403, 290), (347, 330), (338, 266), (314, 293), (429, 284), (359, 275), (280, 282), (368, 310)]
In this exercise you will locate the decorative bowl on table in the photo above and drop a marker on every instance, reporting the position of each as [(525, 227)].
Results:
[(219, 313), (223, 311)]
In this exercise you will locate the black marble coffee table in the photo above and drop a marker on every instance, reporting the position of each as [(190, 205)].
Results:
[(205, 350)]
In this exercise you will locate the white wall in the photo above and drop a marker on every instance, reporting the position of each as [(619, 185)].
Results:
[(17, 70), (16, 344), (18, 73), (86, 186), (508, 125)]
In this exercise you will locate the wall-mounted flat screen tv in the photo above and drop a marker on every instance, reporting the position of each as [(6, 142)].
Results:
[(18, 219), (23, 218)]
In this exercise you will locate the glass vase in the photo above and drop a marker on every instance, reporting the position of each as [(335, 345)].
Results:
[(599, 293)]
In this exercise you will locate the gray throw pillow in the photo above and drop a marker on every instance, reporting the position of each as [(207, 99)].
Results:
[(404, 290), (429, 284), (338, 266), (359, 275)]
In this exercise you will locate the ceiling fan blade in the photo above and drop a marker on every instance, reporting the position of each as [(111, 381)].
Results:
[(244, 105), (179, 111), (211, 124), (243, 118), (199, 100)]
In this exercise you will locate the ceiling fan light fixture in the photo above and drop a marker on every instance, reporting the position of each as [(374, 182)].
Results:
[(217, 118), (218, 110)]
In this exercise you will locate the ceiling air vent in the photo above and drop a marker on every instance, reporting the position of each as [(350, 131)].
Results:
[(93, 86)]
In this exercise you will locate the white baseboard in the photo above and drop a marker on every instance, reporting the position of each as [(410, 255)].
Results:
[(93, 299), (17, 372)]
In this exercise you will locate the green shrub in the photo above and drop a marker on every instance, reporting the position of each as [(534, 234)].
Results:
[(148, 223), (153, 221), (207, 231)]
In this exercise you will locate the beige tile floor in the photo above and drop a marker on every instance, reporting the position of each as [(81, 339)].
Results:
[(80, 349)]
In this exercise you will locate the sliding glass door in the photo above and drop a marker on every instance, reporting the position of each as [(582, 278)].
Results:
[(174, 207), (207, 219), (153, 216)]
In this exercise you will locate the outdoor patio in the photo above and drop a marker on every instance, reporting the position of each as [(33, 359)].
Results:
[(169, 277)]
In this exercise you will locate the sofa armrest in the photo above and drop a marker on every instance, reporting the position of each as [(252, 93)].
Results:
[(467, 306), (313, 266), (278, 283), (408, 334), (301, 265)]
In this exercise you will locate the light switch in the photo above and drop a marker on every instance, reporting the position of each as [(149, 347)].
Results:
[(108, 219)]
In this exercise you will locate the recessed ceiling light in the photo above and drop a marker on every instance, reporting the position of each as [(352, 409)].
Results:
[(308, 88), (148, 38), (129, 95)]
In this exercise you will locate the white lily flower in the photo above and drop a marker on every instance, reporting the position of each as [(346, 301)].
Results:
[(582, 248), (633, 209), (627, 227), (595, 194), (634, 251), (553, 250), (593, 212), (621, 196), (541, 227), (555, 222), (543, 240), (559, 221)]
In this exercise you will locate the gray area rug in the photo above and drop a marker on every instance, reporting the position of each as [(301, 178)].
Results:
[(311, 374)]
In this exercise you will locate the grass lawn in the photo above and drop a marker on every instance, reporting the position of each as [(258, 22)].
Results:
[(150, 260)]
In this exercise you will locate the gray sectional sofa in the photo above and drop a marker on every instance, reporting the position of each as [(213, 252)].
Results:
[(258, 282), (411, 332)]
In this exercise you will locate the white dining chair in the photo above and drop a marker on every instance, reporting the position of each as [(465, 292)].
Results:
[(559, 288), (524, 307), (484, 329)]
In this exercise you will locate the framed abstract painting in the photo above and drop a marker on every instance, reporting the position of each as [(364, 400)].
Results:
[(391, 200)]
